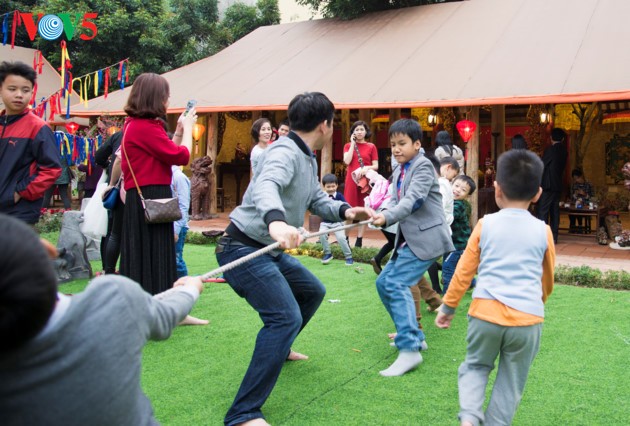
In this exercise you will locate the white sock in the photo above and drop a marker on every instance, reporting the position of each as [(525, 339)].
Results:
[(406, 361)]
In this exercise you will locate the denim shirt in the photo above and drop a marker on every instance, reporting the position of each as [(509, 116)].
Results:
[(180, 185)]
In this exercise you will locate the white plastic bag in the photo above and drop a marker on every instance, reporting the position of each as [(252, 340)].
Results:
[(94, 223)]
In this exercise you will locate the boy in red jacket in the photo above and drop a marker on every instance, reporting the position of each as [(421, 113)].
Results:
[(29, 159)]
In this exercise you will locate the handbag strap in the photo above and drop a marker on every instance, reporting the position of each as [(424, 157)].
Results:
[(133, 175), (356, 149)]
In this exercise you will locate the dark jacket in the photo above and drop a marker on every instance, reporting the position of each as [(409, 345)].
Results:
[(103, 156), (555, 159), (29, 164)]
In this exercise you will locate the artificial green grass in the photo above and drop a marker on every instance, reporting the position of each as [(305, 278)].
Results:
[(580, 376)]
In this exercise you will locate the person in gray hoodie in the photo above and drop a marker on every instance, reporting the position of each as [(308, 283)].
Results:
[(76, 360), (276, 285)]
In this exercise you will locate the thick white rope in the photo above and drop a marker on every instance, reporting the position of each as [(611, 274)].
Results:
[(274, 246)]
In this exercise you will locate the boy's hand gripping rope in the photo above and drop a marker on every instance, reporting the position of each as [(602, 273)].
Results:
[(274, 246)]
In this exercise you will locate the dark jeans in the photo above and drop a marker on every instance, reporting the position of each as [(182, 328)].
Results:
[(112, 240), (448, 267), (435, 278), (286, 295), (389, 246), (549, 210), (63, 193)]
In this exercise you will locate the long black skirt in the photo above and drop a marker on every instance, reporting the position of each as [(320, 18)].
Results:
[(147, 253)]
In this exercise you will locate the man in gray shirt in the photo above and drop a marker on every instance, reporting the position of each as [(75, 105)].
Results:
[(75, 360), (277, 286)]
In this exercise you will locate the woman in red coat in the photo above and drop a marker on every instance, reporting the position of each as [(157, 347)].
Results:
[(359, 133), (148, 250)]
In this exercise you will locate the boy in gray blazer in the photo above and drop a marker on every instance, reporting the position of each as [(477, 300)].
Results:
[(423, 236)]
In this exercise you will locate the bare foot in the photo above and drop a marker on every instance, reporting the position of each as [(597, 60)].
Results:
[(190, 320), (392, 336), (296, 356), (466, 423), (255, 422)]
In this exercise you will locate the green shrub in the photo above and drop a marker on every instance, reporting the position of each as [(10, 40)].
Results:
[(361, 255), (198, 238), (583, 276), (49, 221), (586, 276)]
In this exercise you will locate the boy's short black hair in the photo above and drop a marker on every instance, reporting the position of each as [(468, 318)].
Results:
[(407, 127), (519, 173), (17, 68), (368, 132), (28, 284), (436, 163), (308, 110), (329, 178), (470, 181), (558, 135), (577, 173), (450, 161), (284, 122)]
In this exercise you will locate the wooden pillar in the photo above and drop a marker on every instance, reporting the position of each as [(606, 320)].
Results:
[(212, 139), (326, 159), (472, 165), (498, 126), (345, 125), (394, 114), (256, 115), (345, 131), (364, 115)]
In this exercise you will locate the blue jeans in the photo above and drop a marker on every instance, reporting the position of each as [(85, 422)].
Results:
[(286, 296), (448, 268), (402, 271), (182, 270)]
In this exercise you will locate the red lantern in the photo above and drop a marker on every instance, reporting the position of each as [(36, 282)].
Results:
[(72, 127), (466, 129)]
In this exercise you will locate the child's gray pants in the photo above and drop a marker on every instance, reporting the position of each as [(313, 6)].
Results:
[(516, 348)]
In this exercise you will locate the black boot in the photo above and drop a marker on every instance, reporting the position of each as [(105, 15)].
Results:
[(359, 242)]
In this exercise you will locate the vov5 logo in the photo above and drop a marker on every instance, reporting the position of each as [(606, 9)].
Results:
[(50, 27)]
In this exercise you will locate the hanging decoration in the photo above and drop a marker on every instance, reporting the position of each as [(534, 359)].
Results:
[(38, 61), (102, 75), (54, 101), (72, 127), (198, 131), (106, 82), (76, 149), (5, 28), (16, 22), (466, 129)]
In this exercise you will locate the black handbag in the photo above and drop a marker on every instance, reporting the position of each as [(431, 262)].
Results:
[(160, 210)]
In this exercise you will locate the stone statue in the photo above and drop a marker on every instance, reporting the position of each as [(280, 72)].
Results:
[(201, 188), (61, 268), (73, 259)]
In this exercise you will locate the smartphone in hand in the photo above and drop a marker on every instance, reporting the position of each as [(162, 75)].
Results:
[(190, 105)]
